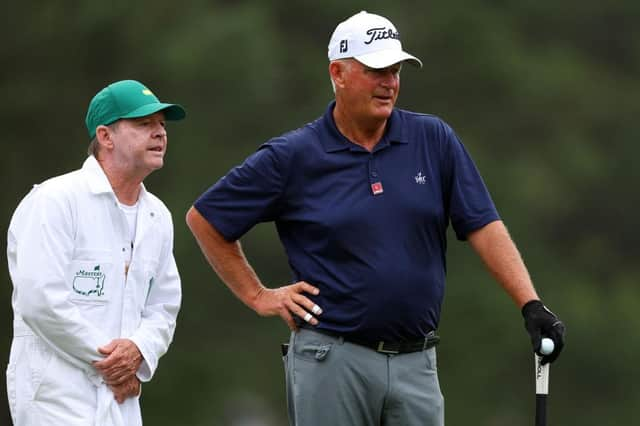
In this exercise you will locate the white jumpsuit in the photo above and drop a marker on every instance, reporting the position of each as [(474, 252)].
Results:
[(71, 295)]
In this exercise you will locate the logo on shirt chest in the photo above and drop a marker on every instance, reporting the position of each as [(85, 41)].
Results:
[(376, 188), (420, 178), (89, 283)]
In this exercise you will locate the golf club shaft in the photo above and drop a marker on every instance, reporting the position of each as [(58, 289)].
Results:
[(541, 410)]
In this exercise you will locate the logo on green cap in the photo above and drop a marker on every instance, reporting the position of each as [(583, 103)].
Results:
[(126, 99)]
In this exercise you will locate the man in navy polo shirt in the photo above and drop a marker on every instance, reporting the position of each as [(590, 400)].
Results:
[(361, 199)]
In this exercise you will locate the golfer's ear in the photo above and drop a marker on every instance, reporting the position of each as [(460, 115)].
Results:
[(337, 71)]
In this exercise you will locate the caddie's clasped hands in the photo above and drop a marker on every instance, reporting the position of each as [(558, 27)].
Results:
[(119, 367)]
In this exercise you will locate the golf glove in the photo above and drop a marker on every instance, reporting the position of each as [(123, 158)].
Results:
[(541, 322)]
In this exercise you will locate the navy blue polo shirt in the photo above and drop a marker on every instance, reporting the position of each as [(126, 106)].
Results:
[(367, 228)]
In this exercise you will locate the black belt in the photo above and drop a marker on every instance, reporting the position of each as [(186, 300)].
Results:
[(385, 347)]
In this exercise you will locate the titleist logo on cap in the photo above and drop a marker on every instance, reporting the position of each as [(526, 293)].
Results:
[(381, 34), (370, 39)]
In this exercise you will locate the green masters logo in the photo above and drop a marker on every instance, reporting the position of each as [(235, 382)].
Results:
[(89, 282)]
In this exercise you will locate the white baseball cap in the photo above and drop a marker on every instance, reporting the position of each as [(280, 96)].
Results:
[(371, 39)]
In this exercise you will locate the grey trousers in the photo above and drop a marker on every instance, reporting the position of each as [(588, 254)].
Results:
[(333, 382)]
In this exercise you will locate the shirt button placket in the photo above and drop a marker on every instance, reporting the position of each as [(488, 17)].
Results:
[(374, 179)]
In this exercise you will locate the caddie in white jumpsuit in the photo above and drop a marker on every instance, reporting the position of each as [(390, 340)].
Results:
[(96, 290)]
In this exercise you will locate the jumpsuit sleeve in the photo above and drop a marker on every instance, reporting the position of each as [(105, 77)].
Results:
[(40, 251), (155, 333)]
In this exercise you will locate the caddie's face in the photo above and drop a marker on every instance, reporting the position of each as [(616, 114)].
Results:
[(372, 92), (140, 143)]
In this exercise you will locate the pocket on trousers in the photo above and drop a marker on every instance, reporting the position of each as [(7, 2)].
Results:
[(431, 359), (39, 358), (311, 349)]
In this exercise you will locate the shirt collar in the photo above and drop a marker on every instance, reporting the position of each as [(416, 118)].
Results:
[(338, 142), (98, 181)]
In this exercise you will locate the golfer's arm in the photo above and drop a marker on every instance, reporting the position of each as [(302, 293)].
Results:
[(500, 255), (226, 258)]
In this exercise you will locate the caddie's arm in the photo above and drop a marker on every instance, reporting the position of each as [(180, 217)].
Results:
[(229, 262), (41, 255), (159, 315)]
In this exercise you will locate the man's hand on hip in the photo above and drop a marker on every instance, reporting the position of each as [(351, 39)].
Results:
[(288, 301), (123, 358)]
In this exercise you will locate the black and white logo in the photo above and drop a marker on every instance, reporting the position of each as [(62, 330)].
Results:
[(381, 33), (344, 46)]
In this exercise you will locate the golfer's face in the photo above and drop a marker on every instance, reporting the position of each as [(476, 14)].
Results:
[(373, 92)]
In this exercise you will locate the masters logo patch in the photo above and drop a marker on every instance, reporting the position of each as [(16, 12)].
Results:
[(89, 283)]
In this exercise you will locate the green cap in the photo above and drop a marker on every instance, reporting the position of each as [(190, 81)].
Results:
[(126, 99)]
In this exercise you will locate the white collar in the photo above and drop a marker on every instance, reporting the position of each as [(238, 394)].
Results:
[(98, 181)]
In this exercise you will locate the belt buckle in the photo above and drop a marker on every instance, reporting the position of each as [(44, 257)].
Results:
[(381, 349)]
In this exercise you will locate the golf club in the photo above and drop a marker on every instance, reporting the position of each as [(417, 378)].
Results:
[(542, 381)]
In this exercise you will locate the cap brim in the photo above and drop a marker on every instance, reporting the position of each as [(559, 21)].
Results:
[(171, 111), (386, 58)]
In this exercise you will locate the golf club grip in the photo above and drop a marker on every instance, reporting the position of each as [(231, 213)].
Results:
[(541, 410), (542, 390)]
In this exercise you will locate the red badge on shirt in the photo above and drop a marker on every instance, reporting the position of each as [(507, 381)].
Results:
[(376, 188)]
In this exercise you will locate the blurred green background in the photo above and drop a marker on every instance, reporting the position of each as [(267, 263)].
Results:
[(543, 94)]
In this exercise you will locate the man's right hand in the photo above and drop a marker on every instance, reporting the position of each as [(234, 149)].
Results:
[(288, 301), (231, 265), (128, 389)]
